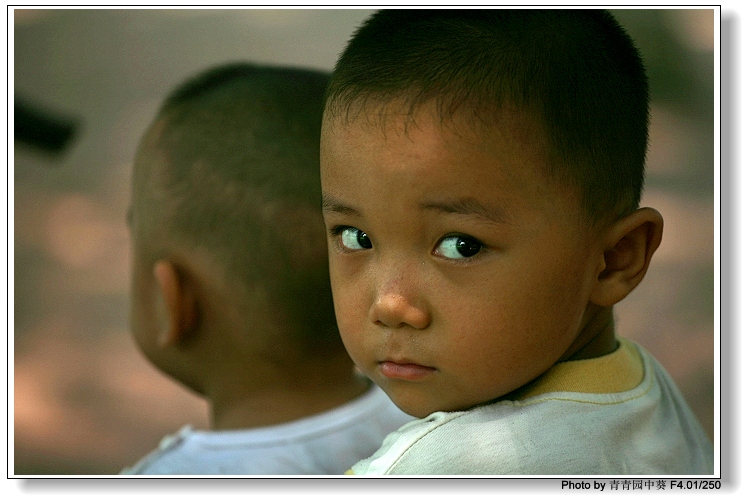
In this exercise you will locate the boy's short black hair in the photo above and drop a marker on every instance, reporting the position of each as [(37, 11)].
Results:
[(576, 70), (231, 166)]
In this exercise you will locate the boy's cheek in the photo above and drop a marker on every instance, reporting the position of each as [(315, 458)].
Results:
[(346, 309), (347, 279), (350, 319), (355, 343), (351, 315)]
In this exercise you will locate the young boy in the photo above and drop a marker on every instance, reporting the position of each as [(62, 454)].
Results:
[(481, 175), (230, 286)]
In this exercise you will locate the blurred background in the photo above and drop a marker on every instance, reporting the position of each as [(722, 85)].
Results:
[(85, 400)]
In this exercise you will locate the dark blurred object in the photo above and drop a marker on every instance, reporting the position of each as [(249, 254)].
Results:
[(40, 128)]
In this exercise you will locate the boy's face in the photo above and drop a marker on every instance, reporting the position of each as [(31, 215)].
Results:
[(459, 271)]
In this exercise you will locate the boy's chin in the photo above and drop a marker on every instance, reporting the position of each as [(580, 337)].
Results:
[(420, 408)]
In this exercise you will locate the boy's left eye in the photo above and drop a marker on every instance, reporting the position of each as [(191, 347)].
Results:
[(354, 239), (458, 247)]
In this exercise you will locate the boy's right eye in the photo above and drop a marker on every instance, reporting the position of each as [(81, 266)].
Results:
[(354, 239)]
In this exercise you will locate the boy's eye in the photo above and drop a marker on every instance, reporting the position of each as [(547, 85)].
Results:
[(458, 247), (354, 239)]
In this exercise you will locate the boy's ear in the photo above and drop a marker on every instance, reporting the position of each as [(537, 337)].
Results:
[(180, 304), (628, 247)]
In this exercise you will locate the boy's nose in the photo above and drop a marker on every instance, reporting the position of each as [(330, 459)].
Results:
[(396, 306)]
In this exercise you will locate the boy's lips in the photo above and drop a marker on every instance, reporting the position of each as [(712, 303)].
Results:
[(404, 370)]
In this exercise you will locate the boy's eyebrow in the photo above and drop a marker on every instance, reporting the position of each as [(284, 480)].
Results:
[(330, 204), (467, 206)]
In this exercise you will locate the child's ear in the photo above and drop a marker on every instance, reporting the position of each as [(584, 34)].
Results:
[(180, 304), (628, 247)]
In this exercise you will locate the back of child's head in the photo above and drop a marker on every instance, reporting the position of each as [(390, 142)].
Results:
[(230, 167), (576, 71)]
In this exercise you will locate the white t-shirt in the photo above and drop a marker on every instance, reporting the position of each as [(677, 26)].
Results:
[(326, 443), (619, 414)]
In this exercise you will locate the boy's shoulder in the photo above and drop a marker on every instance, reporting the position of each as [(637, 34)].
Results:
[(577, 419), (324, 443)]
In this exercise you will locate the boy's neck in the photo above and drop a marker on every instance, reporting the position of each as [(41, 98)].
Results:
[(597, 338), (282, 403)]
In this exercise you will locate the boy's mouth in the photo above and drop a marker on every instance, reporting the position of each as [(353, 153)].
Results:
[(404, 371)]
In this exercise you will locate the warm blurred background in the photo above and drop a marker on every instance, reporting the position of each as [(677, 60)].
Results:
[(86, 402)]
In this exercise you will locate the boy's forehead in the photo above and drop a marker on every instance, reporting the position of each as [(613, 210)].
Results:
[(510, 134), (469, 122), (502, 164)]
